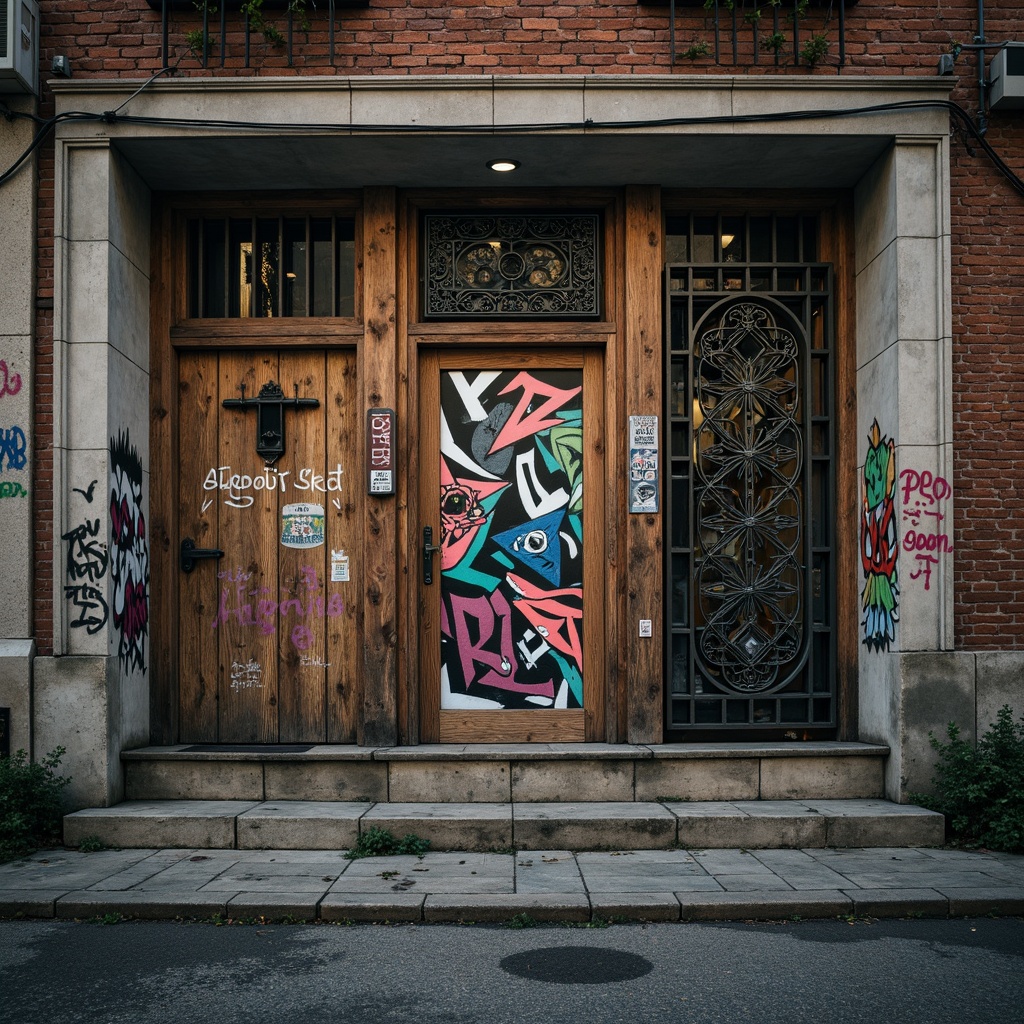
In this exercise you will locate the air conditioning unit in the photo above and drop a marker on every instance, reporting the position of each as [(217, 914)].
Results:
[(19, 46), (1006, 78)]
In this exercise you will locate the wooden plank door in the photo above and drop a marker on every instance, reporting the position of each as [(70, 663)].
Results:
[(511, 635), (267, 632)]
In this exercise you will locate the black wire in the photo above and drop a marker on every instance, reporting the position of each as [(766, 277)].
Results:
[(957, 113)]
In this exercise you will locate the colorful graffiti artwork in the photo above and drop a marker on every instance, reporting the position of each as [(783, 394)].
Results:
[(511, 539), (129, 554), (878, 542)]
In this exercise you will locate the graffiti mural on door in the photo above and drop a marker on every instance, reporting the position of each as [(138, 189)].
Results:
[(511, 539)]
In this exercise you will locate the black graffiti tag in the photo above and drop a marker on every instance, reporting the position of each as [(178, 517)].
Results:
[(86, 560), (129, 565), (91, 609)]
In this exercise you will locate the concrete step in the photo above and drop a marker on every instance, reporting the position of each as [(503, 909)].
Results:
[(482, 826), (510, 773)]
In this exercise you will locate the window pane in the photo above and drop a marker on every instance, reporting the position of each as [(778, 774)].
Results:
[(295, 268)]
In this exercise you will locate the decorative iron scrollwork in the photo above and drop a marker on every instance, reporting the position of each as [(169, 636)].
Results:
[(522, 266), (748, 499)]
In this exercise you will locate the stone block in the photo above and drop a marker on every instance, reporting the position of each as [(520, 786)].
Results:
[(448, 781), (984, 902), (300, 825), (548, 871), (938, 688), (763, 906), (503, 907), (916, 828), (272, 906), (635, 906), (325, 780), (698, 779), (193, 780), (898, 902), (809, 778), (16, 691), (354, 906), (447, 826), (736, 828), (143, 905), (207, 824), (29, 902), (592, 826), (1000, 680), (579, 781)]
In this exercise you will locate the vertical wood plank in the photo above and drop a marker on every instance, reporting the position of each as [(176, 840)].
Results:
[(377, 366), (246, 629), (643, 375), (303, 590), (344, 526), (163, 533), (837, 248), (199, 590), (594, 489)]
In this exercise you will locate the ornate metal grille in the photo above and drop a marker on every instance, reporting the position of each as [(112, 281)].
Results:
[(750, 508), (511, 266)]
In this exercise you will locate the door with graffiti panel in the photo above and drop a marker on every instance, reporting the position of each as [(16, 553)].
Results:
[(511, 484), (267, 521)]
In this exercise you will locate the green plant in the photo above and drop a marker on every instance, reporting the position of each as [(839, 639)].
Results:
[(774, 42), (111, 917), (701, 48), (814, 50), (253, 10), (379, 842), (981, 788), (30, 805), (522, 920), (91, 844)]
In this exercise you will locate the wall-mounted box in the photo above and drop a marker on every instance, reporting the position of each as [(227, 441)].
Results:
[(1006, 78), (19, 46)]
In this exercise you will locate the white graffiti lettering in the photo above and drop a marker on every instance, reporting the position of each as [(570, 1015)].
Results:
[(240, 487)]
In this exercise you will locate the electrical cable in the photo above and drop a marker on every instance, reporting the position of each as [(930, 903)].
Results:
[(957, 113)]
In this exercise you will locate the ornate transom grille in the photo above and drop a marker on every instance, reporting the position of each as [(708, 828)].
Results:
[(511, 266)]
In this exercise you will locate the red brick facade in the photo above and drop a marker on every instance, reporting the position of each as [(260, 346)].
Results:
[(122, 38)]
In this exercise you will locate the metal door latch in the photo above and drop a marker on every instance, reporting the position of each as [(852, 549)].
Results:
[(428, 555), (190, 554)]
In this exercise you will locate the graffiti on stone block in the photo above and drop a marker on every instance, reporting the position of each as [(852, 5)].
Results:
[(879, 545), (10, 383), (12, 489), (922, 495), (129, 555), (85, 564), (13, 448)]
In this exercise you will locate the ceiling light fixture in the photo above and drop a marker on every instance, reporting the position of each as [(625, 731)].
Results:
[(503, 165)]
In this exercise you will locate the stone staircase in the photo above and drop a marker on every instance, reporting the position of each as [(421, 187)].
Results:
[(509, 796)]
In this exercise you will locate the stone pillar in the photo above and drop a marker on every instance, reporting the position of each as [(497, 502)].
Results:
[(93, 696), (911, 680), (17, 321)]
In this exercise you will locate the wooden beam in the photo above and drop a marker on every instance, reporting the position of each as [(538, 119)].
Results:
[(378, 723), (644, 568)]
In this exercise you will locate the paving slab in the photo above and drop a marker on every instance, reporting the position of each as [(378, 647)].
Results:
[(547, 871), (68, 868), (898, 902), (731, 906), (433, 873), (753, 883), (728, 826), (643, 871), (725, 862), (489, 907), (141, 871), (300, 825), (354, 906), (593, 826)]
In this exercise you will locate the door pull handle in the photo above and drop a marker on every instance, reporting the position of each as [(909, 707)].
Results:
[(428, 555), (190, 554)]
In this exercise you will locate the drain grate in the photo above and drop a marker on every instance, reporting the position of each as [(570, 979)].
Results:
[(576, 965)]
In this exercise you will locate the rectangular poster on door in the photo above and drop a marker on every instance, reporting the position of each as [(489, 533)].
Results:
[(511, 475)]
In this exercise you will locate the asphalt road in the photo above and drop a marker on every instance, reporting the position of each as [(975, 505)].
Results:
[(143, 973)]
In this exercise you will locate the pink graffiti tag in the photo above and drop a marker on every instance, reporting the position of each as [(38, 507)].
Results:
[(536, 410), (924, 489), (551, 614), (11, 382)]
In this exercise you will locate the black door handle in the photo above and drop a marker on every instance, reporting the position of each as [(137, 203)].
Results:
[(428, 555), (190, 554)]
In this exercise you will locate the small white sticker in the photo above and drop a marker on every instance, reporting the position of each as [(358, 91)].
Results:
[(380, 481), (339, 567), (645, 627)]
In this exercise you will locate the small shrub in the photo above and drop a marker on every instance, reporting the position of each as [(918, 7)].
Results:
[(91, 844), (521, 920), (379, 842), (30, 807), (981, 788), (815, 49)]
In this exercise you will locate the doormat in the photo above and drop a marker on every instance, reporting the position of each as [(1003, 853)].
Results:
[(248, 748)]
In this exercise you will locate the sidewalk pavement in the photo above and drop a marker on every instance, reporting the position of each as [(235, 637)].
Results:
[(549, 885)]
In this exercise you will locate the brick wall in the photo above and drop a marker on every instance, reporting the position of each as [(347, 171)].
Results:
[(112, 38)]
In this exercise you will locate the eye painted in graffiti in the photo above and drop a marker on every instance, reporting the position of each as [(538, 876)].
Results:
[(460, 511)]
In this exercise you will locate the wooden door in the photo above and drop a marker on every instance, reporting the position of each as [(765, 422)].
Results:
[(267, 631), (511, 635)]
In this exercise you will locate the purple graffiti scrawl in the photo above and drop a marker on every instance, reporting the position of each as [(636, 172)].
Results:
[(129, 554), (511, 539)]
